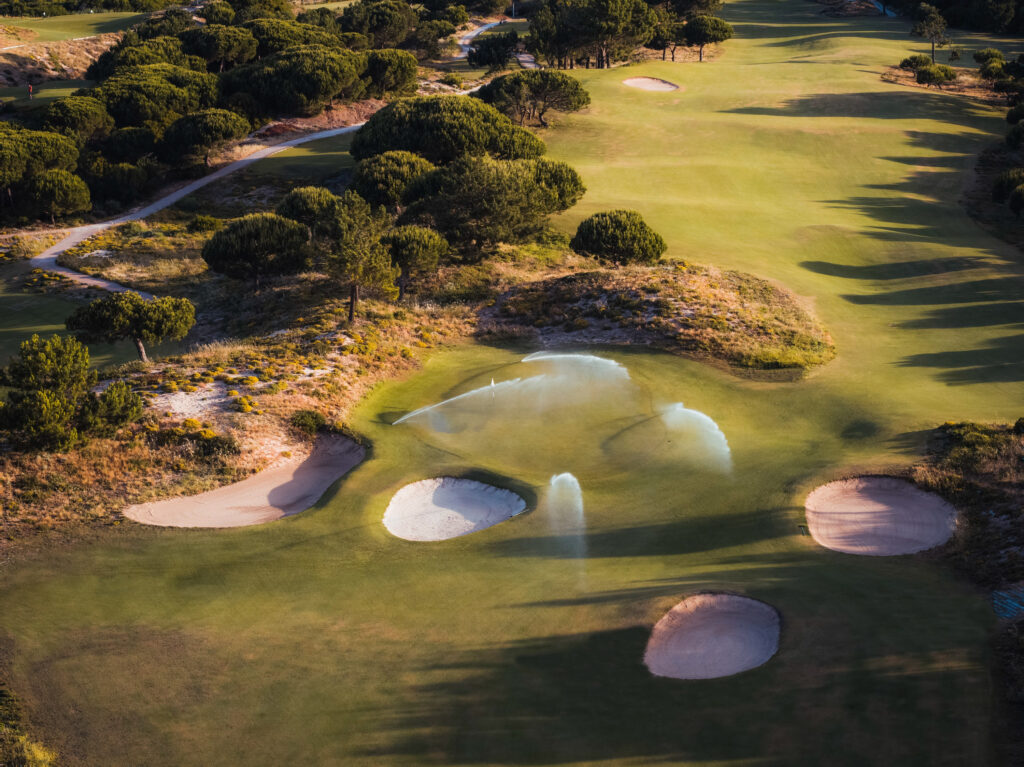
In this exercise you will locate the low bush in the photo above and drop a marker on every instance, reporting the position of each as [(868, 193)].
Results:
[(1006, 182), (621, 236), (915, 62), (308, 421)]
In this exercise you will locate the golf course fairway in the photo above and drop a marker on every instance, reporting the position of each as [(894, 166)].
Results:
[(322, 639)]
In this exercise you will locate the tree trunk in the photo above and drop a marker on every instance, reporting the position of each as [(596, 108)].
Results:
[(353, 297), (403, 280), (140, 349), (933, 51), (702, 53), (664, 51)]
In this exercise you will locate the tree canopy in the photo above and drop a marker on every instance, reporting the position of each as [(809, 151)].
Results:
[(415, 250), (81, 117), (258, 245), (705, 30), (155, 94), (477, 202), (385, 179), (220, 46), (931, 26), (127, 315), (443, 128), (531, 93), (299, 80), (200, 132)]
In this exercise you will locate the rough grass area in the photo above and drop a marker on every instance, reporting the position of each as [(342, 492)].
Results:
[(980, 469), (300, 354), (155, 257), (685, 308)]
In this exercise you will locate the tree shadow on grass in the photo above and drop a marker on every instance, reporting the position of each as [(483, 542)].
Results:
[(840, 692), (902, 105), (689, 535), (896, 270), (1002, 361)]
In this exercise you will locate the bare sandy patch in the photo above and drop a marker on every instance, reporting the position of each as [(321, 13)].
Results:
[(446, 507), (878, 516), (281, 491), (713, 635), (650, 84)]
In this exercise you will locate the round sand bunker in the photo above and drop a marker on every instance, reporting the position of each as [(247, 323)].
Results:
[(878, 516), (445, 507), (650, 84), (713, 635)]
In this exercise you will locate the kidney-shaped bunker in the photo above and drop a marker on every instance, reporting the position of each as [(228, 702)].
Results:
[(447, 507)]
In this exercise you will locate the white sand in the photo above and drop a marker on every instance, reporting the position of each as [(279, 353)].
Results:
[(713, 635), (650, 84), (878, 516), (281, 491), (445, 507)]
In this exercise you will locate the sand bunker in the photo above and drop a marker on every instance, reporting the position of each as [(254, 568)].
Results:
[(278, 492), (650, 84), (713, 635), (878, 516), (445, 507)]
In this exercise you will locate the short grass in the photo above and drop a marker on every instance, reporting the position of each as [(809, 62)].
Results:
[(74, 25), (18, 96), (322, 640)]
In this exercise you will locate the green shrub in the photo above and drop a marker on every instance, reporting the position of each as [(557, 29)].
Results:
[(204, 223), (993, 70), (915, 62), (1006, 182), (935, 74), (452, 80), (1015, 137), (308, 421), (986, 55), (115, 407), (1015, 115), (1017, 200), (621, 236)]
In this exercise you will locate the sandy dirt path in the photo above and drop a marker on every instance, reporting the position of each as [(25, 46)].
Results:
[(281, 491), (48, 258)]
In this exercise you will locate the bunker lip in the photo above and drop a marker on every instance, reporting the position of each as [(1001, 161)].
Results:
[(281, 491), (713, 635), (878, 516), (440, 508), (650, 84)]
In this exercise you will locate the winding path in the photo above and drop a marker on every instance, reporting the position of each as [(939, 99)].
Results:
[(48, 258)]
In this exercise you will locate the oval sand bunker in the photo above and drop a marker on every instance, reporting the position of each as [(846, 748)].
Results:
[(445, 507), (878, 516), (650, 84), (712, 635)]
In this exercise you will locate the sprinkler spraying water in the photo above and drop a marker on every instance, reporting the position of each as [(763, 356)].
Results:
[(565, 513)]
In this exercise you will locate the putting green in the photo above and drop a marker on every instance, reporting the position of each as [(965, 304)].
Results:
[(322, 639), (73, 25)]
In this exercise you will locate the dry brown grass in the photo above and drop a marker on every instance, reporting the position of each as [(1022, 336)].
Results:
[(980, 469), (689, 309), (967, 83), (61, 60)]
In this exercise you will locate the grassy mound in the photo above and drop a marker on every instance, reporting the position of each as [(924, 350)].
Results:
[(689, 309)]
